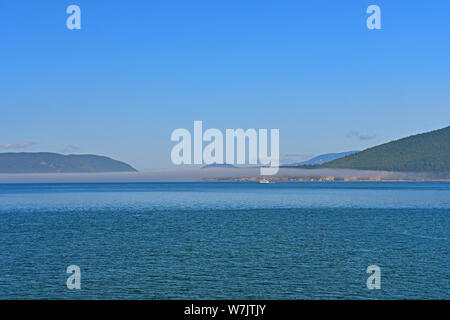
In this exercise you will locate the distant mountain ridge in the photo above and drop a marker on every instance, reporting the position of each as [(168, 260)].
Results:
[(47, 162), (323, 158), (425, 152)]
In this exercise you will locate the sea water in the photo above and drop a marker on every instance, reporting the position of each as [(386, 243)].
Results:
[(225, 240)]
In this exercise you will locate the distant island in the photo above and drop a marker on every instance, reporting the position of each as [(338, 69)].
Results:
[(425, 152), (47, 162)]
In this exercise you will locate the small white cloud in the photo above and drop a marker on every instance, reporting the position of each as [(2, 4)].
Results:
[(20, 145), (361, 136), (368, 137)]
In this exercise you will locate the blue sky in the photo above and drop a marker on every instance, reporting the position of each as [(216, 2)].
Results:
[(137, 70)]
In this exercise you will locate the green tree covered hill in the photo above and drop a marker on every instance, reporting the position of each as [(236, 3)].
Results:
[(426, 152), (46, 162)]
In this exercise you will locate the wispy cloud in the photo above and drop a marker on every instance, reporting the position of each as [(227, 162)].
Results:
[(70, 148), (361, 136), (20, 145)]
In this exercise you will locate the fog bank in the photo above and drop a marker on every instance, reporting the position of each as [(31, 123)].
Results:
[(195, 175)]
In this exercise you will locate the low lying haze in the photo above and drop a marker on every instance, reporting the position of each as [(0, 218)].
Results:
[(194, 175)]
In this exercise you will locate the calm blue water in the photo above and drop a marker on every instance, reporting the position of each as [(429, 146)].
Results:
[(225, 240)]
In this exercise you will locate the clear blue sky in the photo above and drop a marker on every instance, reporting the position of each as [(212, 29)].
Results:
[(137, 70)]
